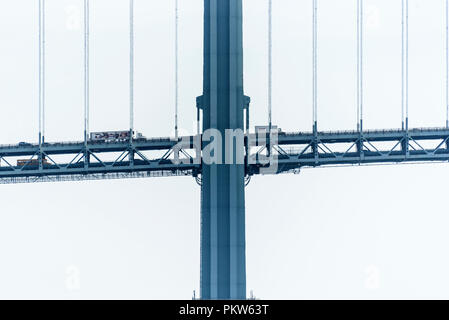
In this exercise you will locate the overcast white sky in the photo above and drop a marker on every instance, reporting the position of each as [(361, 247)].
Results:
[(371, 232)]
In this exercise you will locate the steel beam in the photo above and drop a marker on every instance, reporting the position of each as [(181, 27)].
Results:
[(294, 150)]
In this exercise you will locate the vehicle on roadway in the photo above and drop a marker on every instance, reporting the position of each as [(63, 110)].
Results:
[(25, 144), (114, 136), (31, 162)]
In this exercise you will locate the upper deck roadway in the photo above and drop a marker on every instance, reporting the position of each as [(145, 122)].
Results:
[(101, 160)]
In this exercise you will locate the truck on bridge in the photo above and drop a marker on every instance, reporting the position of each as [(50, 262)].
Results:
[(114, 136)]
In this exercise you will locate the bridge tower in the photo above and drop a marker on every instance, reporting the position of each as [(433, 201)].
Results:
[(223, 262)]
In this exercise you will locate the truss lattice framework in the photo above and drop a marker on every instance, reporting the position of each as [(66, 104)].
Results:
[(155, 157), (297, 150)]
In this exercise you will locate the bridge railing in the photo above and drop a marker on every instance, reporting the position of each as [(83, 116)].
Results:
[(369, 131)]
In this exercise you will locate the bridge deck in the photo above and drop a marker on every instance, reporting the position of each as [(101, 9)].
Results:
[(292, 151)]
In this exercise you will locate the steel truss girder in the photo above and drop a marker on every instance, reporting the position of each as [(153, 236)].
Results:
[(86, 161), (309, 150), (364, 148)]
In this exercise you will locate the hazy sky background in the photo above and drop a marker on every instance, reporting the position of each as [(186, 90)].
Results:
[(371, 232)]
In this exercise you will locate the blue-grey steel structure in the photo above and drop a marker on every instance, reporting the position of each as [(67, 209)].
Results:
[(223, 266), (223, 106), (293, 151)]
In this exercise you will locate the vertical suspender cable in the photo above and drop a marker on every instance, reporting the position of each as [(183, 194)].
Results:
[(131, 69), (360, 99), (40, 72), (177, 67), (358, 65), (407, 65), (315, 66), (361, 66), (403, 65), (447, 64), (86, 70), (270, 63), (43, 71)]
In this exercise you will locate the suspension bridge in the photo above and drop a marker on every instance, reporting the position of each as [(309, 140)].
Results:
[(223, 106)]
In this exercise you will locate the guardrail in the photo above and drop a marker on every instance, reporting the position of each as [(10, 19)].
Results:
[(369, 131)]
